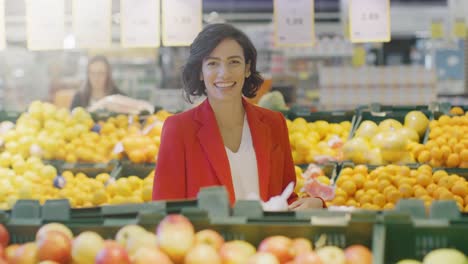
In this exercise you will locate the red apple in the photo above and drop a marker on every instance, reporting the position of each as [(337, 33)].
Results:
[(202, 254), (86, 246), (10, 252), (3, 261), (307, 258), (151, 255), (358, 254), (4, 236), (209, 237), (176, 236), (54, 227), (236, 252), (301, 245), (112, 253), (263, 258), (54, 245), (26, 254), (280, 246)]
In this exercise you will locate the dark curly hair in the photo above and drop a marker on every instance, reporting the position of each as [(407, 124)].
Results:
[(206, 41)]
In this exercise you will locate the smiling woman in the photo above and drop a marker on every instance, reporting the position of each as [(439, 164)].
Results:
[(225, 140)]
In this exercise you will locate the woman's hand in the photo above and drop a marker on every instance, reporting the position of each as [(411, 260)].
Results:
[(307, 203)]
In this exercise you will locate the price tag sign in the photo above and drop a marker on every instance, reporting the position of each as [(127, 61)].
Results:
[(45, 24), (369, 20), (459, 28), (92, 23), (437, 29), (139, 23), (2, 25), (294, 23), (181, 21)]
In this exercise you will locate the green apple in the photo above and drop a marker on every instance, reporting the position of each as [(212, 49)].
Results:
[(445, 255)]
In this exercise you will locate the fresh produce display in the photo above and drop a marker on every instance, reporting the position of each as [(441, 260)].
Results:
[(317, 141), (313, 182), (441, 255), (50, 133), (31, 179), (386, 142), (447, 145), (175, 240), (382, 187)]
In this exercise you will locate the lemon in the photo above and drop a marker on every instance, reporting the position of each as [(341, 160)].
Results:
[(135, 182), (147, 193), (103, 177)]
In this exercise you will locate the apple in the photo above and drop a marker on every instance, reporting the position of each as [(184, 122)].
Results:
[(358, 254), (262, 258), (236, 252), (409, 261), (331, 255), (307, 258), (112, 253), (176, 236), (86, 246), (124, 233), (144, 240), (4, 236), (10, 252), (202, 254), (209, 237), (301, 245), (279, 246), (54, 245), (150, 255), (26, 254), (445, 255), (54, 227)]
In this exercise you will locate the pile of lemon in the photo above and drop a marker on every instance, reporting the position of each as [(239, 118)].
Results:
[(311, 139), (383, 187)]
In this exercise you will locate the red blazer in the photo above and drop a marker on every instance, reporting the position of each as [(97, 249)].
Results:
[(192, 154)]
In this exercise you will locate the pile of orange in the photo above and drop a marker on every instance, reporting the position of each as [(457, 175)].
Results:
[(383, 187), (448, 143)]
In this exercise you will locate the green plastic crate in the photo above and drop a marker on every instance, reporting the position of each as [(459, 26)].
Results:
[(141, 170), (90, 169), (415, 239), (9, 116), (377, 107)]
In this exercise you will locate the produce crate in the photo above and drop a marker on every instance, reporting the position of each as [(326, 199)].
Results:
[(127, 168), (415, 238), (90, 169), (381, 116), (330, 117), (9, 116), (445, 107), (377, 107)]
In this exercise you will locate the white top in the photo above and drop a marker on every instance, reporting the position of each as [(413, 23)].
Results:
[(243, 165)]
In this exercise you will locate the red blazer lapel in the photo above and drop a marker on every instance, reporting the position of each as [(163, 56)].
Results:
[(213, 147), (260, 132)]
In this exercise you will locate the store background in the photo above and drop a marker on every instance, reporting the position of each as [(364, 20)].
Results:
[(437, 65)]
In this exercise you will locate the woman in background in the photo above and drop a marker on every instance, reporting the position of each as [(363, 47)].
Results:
[(99, 83)]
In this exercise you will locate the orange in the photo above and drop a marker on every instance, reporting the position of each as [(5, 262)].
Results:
[(389, 206), (458, 148), (458, 199), (352, 203), (379, 200), (466, 208), (436, 153), (460, 188), (456, 110), (436, 163), (359, 180), (341, 192), (446, 196), (446, 182), (342, 179), (441, 141), (419, 192), (418, 149), (358, 194), (382, 184), (389, 189), (339, 200), (393, 196), (384, 176), (464, 155), (347, 171), (370, 185), (453, 160), (424, 179), (365, 198), (406, 190), (372, 192), (405, 171), (431, 188), (438, 175), (349, 187), (425, 168), (361, 169), (446, 150)]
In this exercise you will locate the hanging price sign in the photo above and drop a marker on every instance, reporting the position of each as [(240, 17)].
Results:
[(2, 25), (294, 23), (45, 24), (139, 23), (369, 20), (92, 23), (181, 21)]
